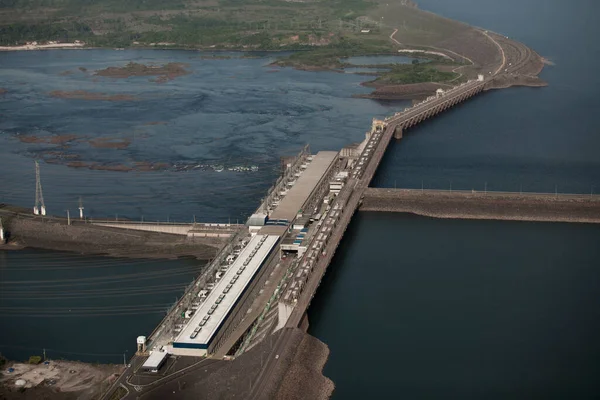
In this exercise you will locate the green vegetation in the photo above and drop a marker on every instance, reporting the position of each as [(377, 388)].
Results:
[(119, 393), (65, 32), (415, 73), (323, 32), (258, 24), (331, 57), (35, 360)]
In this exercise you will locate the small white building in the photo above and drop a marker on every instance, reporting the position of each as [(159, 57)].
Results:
[(155, 361)]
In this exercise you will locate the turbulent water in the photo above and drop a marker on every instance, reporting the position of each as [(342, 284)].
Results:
[(416, 308), (224, 114)]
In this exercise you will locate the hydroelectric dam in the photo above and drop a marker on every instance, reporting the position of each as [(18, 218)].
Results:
[(239, 327)]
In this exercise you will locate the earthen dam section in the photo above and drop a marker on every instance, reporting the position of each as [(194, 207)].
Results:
[(22, 229), (543, 207)]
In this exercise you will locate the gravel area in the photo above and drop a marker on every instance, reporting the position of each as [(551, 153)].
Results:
[(56, 380), (304, 378)]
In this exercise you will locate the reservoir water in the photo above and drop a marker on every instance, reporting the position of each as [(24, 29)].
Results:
[(416, 308)]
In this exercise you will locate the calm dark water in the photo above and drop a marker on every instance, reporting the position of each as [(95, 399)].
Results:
[(83, 308), (535, 138), (420, 308)]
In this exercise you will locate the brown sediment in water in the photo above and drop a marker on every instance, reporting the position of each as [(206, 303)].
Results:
[(98, 166), (114, 168), (56, 139), (2, 91), (163, 73), (109, 143), (83, 95), (139, 166)]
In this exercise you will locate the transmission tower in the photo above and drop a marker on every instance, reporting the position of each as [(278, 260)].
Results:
[(39, 207), (80, 208)]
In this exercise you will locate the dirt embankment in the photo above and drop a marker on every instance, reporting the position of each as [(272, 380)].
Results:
[(412, 91), (506, 81), (285, 365), (481, 205), (56, 380), (54, 234), (83, 95), (163, 73), (304, 377)]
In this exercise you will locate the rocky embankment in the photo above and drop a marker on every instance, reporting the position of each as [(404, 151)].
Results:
[(480, 205), (304, 378), (506, 81), (54, 234), (401, 92), (285, 365)]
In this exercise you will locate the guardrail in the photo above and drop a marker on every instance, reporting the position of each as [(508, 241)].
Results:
[(582, 196)]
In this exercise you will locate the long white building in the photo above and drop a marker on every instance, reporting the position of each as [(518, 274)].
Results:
[(208, 318)]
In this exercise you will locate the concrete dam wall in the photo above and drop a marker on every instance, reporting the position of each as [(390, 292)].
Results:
[(485, 205)]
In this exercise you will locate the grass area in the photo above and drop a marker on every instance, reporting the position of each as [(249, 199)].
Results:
[(119, 393), (415, 27), (324, 31), (415, 73), (260, 24), (330, 57)]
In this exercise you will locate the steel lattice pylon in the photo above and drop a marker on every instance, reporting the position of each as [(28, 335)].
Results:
[(39, 207)]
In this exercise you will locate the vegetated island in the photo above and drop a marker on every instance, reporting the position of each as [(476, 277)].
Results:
[(163, 73), (321, 34)]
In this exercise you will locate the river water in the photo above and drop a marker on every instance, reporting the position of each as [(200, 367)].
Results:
[(416, 308), (234, 112), (411, 307)]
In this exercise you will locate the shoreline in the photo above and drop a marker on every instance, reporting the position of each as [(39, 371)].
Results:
[(525, 75)]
